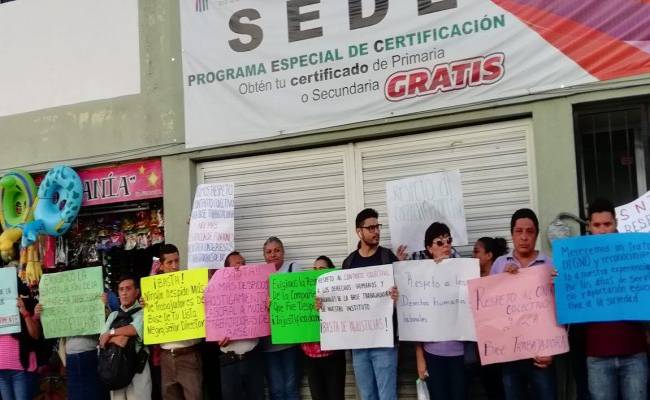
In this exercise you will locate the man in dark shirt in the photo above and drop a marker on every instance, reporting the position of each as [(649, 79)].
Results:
[(616, 351), (375, 369)]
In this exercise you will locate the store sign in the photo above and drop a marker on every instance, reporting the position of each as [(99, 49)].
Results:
[(256, 68), (134, 181)]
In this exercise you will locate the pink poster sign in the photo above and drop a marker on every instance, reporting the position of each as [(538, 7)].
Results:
[(515, 316), (132, 181), (236, 303)]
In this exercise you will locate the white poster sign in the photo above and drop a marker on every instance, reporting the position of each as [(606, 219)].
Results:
[(415, 203), (257, 68), (212, 225), (634, 216), (62, 52), (357, 311), (433, 303)]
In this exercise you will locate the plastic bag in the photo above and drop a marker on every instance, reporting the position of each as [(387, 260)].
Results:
[(423, 391)]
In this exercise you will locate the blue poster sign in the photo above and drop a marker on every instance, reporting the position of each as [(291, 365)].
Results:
[(603, 278)]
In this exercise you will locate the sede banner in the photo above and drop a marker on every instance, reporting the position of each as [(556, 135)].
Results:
[(263, 68)]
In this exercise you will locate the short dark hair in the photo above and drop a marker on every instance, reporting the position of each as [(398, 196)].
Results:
[(226, 261), (497, 246), (433, 231), (167, 248), (327, 260), (364, 215), (273, 239), (521, 214), (599, 205), (128, 276)]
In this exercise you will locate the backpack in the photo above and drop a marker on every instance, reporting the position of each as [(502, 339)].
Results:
[(116, 366)]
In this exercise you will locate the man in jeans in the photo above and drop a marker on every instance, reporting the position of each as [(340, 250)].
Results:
[(616, 351), (375, 369)]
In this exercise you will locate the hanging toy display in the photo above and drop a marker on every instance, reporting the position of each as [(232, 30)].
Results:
[(17, 198), (57, 206), (55, 209)]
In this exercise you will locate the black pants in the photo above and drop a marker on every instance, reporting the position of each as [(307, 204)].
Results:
[(326, 376), (243, 379)]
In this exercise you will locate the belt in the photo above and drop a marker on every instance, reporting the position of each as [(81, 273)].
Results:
[(180, 351), (231, 357)]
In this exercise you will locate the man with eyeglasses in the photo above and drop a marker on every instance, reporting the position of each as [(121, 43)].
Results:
[(375, 369)]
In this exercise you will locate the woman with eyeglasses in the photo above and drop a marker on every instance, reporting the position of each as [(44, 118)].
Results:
[(441, 364)]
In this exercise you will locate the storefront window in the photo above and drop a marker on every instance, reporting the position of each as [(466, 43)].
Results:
[(611, 146)]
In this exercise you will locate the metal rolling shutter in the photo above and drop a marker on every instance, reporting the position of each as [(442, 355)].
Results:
[(494, 161), (297, 196)]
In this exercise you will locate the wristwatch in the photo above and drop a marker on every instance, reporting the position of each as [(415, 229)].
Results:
[(112, 332)]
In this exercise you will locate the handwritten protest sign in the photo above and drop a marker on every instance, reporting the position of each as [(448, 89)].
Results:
[(72, 303), (603, 277), (9, 317), (294, 319), (515, 316), (236, 302), (634, 216), (174, 306), (433, 299), (212, 225), (357, 311), (415, 203)]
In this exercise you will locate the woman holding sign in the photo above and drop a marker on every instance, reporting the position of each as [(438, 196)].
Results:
[(17, 350), (325, 369), (441, 364), (532, 378)]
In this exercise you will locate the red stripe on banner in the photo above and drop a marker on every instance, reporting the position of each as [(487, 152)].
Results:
[(599, 54)]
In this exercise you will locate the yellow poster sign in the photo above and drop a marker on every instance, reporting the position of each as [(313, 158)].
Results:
[(174, 306)]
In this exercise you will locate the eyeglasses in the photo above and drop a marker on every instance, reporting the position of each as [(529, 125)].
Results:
[(442, 242), (371, 228)]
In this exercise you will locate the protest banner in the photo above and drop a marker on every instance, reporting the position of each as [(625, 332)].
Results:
[(236, 303), (174, 306), (72, 303), (603, 278), (294, 318), (433, 303), (9, 316), (634, 216), (514, 316), (415, 203), (357, 311), (212, 225)]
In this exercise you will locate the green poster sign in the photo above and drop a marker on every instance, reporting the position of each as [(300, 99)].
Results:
[(294, 318), (72, 304)]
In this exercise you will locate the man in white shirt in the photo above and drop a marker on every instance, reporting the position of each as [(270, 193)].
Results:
[(180, 362)]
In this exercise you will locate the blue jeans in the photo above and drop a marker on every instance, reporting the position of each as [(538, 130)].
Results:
[(376, 373), (447, 377), (283, 374), (522, 380), (83, 381), (609, 376), (17, 385)]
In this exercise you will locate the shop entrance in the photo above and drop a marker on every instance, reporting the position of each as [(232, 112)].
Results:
[(612, 150)]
